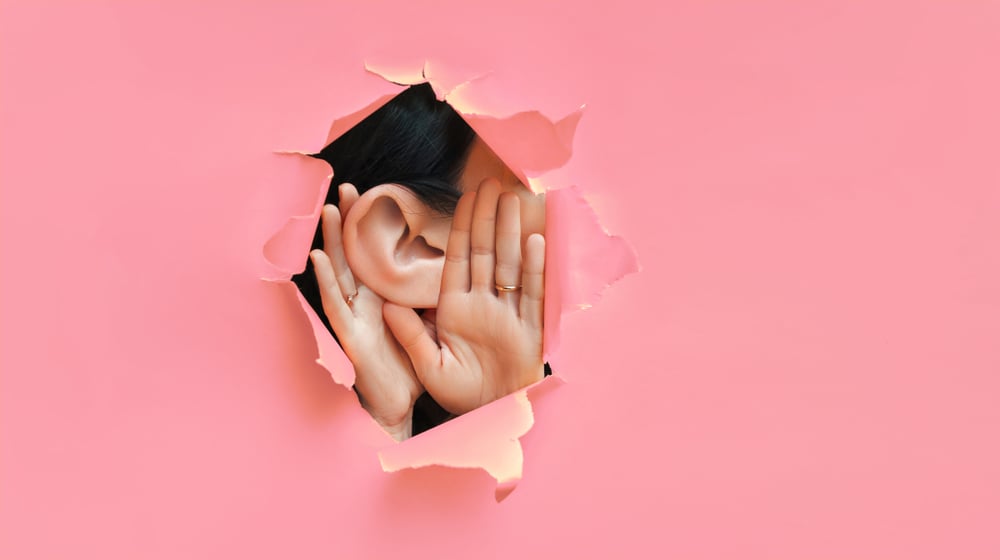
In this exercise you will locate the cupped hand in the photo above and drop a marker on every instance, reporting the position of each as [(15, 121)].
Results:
[(385, 378), (489, 315)]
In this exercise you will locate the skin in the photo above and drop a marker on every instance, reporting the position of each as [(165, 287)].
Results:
[(385, 378), (483, 163), (480, 344), (489, 343)]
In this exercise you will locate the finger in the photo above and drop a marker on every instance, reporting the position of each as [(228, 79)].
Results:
[(484, 216), (338, 313), (333, 246), (455, 277), (533, 296), (508, 272), (411, 334), (348, 196)]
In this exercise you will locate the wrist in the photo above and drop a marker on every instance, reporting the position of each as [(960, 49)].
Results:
[(400, 430)]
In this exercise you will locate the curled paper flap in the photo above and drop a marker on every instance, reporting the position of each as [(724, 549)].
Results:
[(530, 143), (331, 355), (486, 438), (590, 259), (305, 179)]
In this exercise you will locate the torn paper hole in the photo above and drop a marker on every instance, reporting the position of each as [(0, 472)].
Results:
[(386, 222)]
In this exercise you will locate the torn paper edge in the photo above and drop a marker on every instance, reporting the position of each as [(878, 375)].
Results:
[(501, 457)]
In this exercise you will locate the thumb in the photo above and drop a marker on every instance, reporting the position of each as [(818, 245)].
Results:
[(409, 330)]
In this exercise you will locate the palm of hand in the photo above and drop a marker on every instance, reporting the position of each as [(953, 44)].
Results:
[(489, 341), (487, 351), (386, 381)]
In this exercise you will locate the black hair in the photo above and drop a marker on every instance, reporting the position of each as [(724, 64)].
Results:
[(415, 141)]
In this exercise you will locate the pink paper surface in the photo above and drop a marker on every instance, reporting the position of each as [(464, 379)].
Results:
[(807, 365)]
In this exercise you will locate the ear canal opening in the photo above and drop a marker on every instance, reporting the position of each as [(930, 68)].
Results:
[(409, 249)]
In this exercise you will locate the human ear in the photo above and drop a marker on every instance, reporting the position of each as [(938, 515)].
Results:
[(395, 245)]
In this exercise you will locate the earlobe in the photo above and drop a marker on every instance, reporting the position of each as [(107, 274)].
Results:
[(395, 245)]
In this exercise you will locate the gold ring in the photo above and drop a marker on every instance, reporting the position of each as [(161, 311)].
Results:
[(350, 300), (507, 288)]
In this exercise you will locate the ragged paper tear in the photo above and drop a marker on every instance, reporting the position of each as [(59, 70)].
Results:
[(307, 180), (331, 355), (486, 438), (582, 259), (530, 143), (550, 145), (590, 260)]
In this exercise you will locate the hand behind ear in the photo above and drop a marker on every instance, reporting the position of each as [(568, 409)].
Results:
[(386, 382), (489, 342)]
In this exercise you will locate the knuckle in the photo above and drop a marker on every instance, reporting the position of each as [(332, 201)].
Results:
[(482, 250)]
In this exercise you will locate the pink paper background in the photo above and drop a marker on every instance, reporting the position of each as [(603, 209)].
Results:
[(807, 367)]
